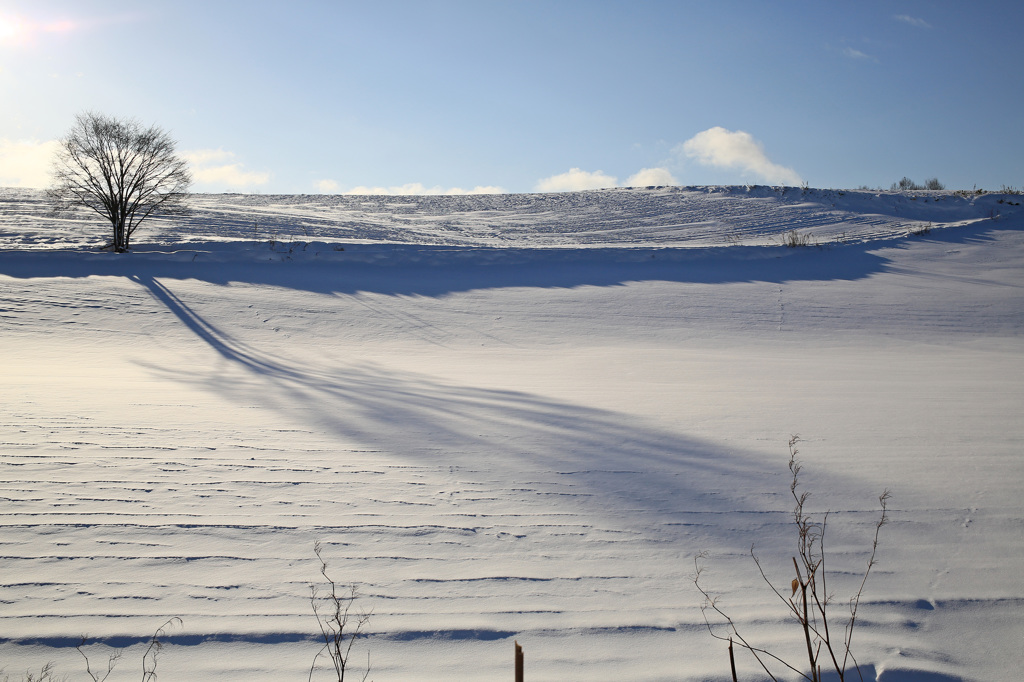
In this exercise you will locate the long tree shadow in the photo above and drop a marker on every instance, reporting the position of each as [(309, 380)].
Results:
[(657, 487), (617, 462)]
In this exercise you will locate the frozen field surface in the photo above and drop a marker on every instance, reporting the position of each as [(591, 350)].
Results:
[(511, 417)]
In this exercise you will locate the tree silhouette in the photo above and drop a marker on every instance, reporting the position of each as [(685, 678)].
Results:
[(120, 170)]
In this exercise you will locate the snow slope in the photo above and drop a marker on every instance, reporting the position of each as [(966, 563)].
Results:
[(510, 417)]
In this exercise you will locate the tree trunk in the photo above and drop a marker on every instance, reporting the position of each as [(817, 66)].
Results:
[(120, 238)]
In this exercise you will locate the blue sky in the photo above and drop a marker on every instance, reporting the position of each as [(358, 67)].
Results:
[(522, 96)]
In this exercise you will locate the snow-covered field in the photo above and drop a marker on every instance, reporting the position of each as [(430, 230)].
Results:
[(511, 417)]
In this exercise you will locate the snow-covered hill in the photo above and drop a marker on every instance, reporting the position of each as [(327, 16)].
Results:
[(510, 417), (665, 216)]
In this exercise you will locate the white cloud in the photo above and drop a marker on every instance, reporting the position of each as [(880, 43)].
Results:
[(202, 157), (857, 54), (479, 189), (576, 180), (647, 177), (327, 186), (913, 21), (736, 150), (419, 189), (218, 167), (26, 163)]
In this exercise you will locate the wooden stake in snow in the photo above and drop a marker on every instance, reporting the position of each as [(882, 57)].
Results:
[(519, 663)]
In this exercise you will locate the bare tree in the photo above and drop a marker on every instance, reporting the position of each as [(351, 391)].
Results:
[(120, 170)]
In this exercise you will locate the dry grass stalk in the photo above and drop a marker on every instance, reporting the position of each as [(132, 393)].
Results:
[(809, 598)]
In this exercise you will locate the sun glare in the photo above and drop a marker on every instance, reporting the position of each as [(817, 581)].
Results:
[(10, 29), (15, 30)]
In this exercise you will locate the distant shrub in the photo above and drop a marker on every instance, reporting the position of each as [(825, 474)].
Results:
[(793, 239), (906, 184)]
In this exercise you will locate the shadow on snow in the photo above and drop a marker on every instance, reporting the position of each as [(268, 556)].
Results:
[(408, 269)]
